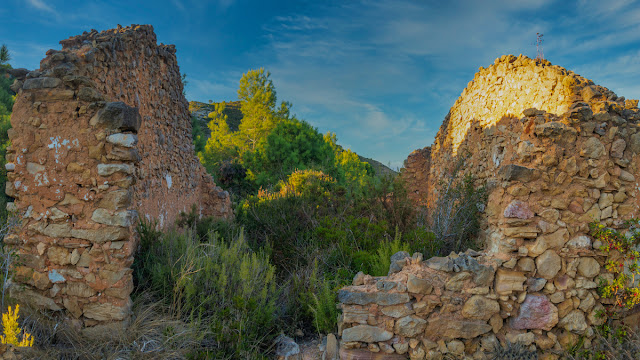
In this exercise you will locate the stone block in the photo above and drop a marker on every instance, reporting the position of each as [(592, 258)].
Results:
[(116, 200), (107, 233), (110, 169), (450, 328), (509, 281), (410, 326), (513, 172), (480, 308), (548, 264), (107, 311), (588, 267), (397, 311), (89, 94), (124, 218), (419, 286), (125, 140), (592, 148), (575, 322), (41, 83), (364, 298), (440, 263), (366, 333), (536, 312), (117, 116)]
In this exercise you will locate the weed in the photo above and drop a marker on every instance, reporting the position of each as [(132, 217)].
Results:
[(11, 330)]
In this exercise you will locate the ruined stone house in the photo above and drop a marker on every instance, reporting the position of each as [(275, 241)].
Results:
[(556, 152), (101, 137)]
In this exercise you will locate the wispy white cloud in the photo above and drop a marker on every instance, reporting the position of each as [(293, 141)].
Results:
[(179, 5), (27, 54), (383, 73), (621, 74), (298, 22), (41, 5), (216, 86)]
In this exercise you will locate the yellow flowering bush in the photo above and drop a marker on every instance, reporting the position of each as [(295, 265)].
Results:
[(11, 329)]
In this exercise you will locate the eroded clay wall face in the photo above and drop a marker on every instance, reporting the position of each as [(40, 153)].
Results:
[(556, 152), (100, 138)]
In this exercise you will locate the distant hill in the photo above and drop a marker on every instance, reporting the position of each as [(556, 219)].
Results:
[(380, 168), (201, 111)]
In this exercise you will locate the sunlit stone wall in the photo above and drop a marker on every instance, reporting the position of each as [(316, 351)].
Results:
[(101, 137)]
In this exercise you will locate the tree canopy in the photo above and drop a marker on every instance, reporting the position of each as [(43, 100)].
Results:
[(270, 144)]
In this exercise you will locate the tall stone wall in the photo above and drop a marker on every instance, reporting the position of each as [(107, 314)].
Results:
[(556, 152), (101, 137), (416, 175)]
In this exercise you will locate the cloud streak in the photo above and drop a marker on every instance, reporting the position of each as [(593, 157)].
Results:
[(381, 74), (42, 6), (388, 70)]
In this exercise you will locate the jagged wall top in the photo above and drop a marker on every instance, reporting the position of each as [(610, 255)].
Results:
[(128, 33), (508, 87)]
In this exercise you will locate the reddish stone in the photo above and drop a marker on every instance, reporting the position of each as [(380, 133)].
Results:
[(518, 209), (536, 312), (576, 208)]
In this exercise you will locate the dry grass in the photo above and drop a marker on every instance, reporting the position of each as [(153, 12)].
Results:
[(152, 334), (611, 348)]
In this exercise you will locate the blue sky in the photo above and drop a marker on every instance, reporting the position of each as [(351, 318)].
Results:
[(381, 74)]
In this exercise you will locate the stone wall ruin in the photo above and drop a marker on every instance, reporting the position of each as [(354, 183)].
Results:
[(101, 136), (556, 152)]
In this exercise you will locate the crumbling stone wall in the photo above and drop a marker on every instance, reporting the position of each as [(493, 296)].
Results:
[(464, 304), (101, 136), (556, 152), (416, 175)]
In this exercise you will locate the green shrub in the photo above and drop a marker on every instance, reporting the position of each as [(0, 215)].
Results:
[(455, 220), (202, 226), (617, 343), (319, 234), (624, 288), (223, 285), (292, 144), (323, 304), (380, 266)]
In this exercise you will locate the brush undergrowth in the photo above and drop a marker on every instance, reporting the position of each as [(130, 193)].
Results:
[(220, 285), (225, 290), (153, 333)]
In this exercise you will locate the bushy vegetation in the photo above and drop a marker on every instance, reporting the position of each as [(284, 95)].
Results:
[(512, 351), (218, 284), (11, 332), (269, 143), (309, 216), (307, 207), (7, 98), (615, 340), (456, 219), (617, 343)]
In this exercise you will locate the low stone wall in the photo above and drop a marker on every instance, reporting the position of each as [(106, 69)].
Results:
[(101, 136), (462, 305)]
